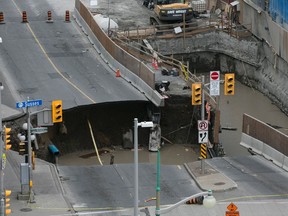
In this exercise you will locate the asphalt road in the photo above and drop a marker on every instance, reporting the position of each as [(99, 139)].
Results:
[(51, 61), (112, 186)]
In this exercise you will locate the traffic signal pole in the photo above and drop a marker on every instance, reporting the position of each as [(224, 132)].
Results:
[(31, 197)]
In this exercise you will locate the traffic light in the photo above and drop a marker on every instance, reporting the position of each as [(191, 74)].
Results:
[(7, 141), (57, 111), (229, 84), (7, 204), (196, 93), (23, 148)]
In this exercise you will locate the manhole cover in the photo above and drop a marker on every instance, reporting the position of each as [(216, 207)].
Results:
[(219, 183), (26, 209)]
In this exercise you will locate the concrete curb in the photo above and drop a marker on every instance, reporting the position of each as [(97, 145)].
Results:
[(211, 180)]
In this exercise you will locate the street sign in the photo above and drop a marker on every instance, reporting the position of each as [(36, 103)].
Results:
[(202, 136), (202, 125), (235, 213), (31, 103), (39, 130), (232, 210), (21, 104), (44, 118), (232, 207), (34, 103), (214, 75), (214, 83)]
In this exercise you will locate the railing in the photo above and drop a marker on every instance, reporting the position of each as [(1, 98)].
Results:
[(140, 51), (167, 30)]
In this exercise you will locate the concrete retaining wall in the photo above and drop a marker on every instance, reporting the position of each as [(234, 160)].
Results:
[(265, 140), (265, 28), (265, 150), (133, 70)]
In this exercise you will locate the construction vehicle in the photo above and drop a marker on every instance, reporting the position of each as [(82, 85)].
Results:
[(171, 11)]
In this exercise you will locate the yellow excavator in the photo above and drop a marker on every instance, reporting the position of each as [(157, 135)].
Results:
[(170, 11)]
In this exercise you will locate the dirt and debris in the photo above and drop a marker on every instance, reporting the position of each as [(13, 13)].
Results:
[(126, 14)]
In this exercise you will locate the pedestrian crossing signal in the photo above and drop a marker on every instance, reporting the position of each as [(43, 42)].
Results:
[(57, 111)]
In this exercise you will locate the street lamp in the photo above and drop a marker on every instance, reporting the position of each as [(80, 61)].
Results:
[(148, 124), (208, 202)]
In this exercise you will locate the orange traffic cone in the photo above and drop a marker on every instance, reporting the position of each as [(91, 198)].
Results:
[(2, 18), (156, 65), (49, 19), (118, 73), (67, 16), (24, 17), (153, 62)]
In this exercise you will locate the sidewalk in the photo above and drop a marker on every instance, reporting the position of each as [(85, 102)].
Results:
[(211, 178), (49, 198)]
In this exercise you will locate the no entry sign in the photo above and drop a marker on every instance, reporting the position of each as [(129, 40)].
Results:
[(214, 83), (214, 75)]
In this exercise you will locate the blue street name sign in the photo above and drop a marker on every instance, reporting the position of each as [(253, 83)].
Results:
[(31, 103)]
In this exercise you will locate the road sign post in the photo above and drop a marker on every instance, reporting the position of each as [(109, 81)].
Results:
[(27, 104)]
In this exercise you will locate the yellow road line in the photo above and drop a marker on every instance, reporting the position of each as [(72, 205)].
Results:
[(253, 196), (49, 59)]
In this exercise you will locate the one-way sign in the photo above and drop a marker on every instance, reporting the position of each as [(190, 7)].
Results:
[(202, 136)]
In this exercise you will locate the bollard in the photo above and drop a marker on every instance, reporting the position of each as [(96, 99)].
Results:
[(203, 151), (203, 157), (24, 17), (2, 18), (49, 19), (67, 16)]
